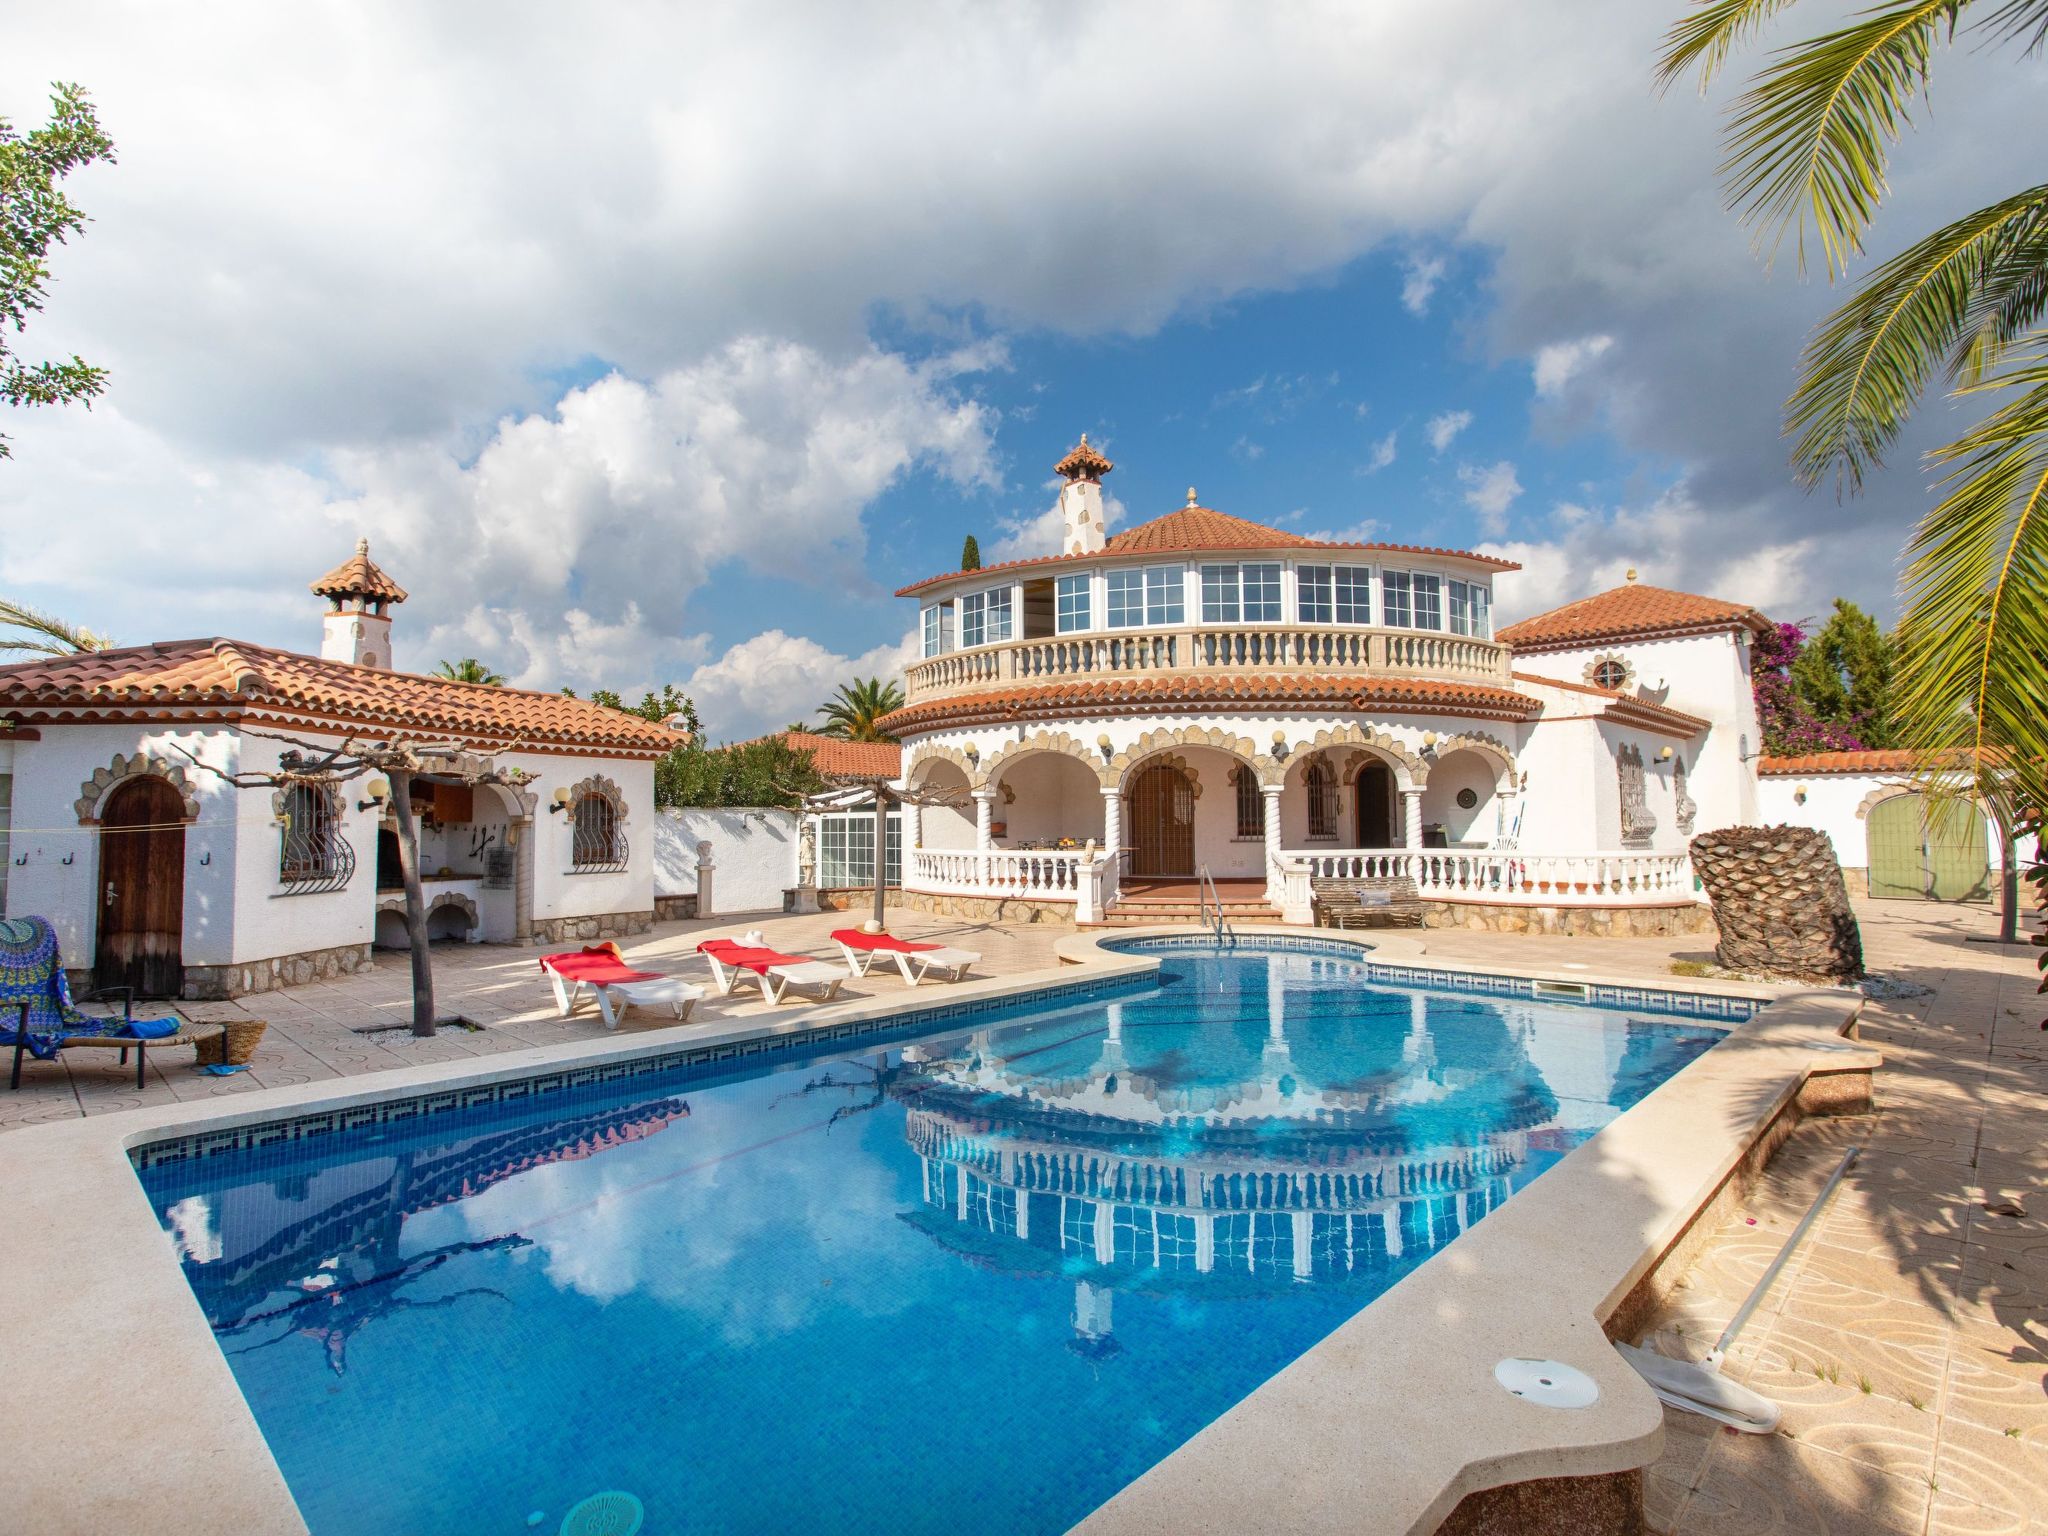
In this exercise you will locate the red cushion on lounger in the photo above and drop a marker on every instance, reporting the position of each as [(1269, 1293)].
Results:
[(888, 943), (746, 959), (600, 966)]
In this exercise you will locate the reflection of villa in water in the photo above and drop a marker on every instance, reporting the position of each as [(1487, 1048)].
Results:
[(1316, 1146), (321, 1253)]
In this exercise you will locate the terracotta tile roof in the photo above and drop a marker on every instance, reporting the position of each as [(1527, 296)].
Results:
[(232, 679), (1623, 703), (359, 576), (1871, 761), (838, 759), (1122, 695), (1190, 530), (1084, 462), (1628, 610)]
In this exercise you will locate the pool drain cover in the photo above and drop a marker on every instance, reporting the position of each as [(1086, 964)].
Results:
[(1551, 1383), (611, 1513)]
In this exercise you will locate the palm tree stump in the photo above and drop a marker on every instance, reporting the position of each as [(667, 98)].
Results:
[(1780, 903)]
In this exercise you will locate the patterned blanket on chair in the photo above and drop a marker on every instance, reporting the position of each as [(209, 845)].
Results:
[(31, 972)]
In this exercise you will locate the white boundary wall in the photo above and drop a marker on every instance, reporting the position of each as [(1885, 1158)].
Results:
[(753, 855)]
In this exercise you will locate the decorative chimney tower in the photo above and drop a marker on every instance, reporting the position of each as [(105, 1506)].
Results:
[(357, 625), (1083, 531)]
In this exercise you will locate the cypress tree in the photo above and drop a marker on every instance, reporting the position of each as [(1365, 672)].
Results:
[(970, 555)]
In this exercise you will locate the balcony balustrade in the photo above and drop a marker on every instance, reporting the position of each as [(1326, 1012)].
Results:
[(1274, 649)]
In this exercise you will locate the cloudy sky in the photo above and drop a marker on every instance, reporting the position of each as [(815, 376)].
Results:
[(662, 343)]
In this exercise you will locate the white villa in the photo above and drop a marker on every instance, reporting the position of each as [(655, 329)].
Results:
[(158, 873), (1201, 696)]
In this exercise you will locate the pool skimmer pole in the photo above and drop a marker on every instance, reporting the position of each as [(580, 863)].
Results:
[(1701, 1388)]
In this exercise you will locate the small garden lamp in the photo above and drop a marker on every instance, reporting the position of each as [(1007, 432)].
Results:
[(379, 791)]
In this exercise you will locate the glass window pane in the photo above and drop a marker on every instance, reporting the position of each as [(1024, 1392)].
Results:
[(1312, 594), (973, 618), (1126, 599), (931, 631), (1261, 601), (999, 615), (1354, 594), (1429, 602), (1395, 594), (1165, 595), (1460, 608), (1072, 604), (1219, 594), (1482, 612)]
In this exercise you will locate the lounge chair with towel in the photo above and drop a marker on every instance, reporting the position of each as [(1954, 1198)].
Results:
[(736, 960), (617, 987), (915, 961), (38, 1017)]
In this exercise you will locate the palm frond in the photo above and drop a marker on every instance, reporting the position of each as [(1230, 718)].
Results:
[(54, 636), (1974, 638), (1704, 39), (1811, 138), (1956, 299), (2022, 21)]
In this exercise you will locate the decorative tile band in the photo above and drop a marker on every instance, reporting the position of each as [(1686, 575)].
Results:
[(909, 1024), (1691, 1005)]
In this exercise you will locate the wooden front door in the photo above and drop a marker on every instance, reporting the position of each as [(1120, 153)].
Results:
[(1162, 820), (142, 889), (1376, 806)]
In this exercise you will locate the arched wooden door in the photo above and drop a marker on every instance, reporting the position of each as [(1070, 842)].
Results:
[(1376, 806), (1923, 852), (142, 889), (1162, 822)]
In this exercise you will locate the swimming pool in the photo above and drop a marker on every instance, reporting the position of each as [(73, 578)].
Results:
[(981, 1275)]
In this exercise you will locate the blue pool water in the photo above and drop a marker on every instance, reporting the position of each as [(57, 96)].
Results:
[(978, 1280)]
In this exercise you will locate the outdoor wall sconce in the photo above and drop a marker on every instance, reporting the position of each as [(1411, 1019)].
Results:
[(1799, 795), (1105, 746), (1279, 745), (561, 801), (379, 791), (972, 754), (1664, 756)]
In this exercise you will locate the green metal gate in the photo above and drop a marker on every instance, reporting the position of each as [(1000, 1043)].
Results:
[(1923, 851)]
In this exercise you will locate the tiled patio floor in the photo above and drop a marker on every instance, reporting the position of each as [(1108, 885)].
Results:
[(1908, 1341), (314, 1034)]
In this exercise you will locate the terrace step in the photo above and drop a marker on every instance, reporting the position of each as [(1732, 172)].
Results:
[(1134, 912)]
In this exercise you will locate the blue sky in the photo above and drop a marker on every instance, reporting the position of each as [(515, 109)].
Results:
[(651, 346)]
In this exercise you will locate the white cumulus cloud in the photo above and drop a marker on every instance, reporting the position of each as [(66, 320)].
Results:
[(1419, 278), (777, 679), (1561, 362), (1442, 430), (1490, 491), (1383, 453)]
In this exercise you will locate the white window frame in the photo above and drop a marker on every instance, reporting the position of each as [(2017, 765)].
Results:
[(1403, 593), (987, 617), (1072, 618), (1162, 596), (1224, 589), (1476, 602), (934, 630)]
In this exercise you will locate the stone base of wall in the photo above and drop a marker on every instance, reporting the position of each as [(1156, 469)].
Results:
[(211, 983), (985, 909), (1609, 1505), (1594, 922), (600, 925), (673, 909)]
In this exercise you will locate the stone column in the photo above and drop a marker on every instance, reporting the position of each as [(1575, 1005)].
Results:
[(1113, 822), (913, 828), (1411, 818), (984, 818), (1269, 795), (704, 869)]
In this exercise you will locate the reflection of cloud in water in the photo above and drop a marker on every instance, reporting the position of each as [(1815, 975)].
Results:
[(740, 1219)]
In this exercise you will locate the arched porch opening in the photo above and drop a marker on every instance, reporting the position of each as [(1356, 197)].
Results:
[(948, 826), (1046, 800), (1461, 802), (1189, 808)]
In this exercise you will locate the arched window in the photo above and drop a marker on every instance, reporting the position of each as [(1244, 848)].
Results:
[(313, 856), (1251, 812), (1322, 799), (597, 823)]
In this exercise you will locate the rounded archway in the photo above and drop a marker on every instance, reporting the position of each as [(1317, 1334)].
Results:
[(1190, 808), (1460, 803), (1047, 799), (949, 825)]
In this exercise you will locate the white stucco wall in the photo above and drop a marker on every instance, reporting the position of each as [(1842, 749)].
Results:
[(558, 891), (753, 854), (1831, 802)]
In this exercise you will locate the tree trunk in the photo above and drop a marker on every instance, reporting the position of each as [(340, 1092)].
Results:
[(415, 904)]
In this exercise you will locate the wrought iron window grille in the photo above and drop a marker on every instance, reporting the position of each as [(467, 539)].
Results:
[(314, 857)]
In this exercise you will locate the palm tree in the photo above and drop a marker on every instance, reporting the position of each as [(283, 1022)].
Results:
[(470, 670), (47, 635), (852, 712), (1810, 140)]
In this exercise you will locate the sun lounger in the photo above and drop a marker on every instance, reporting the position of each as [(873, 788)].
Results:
[(37, 1016), (616, 985), (915, 961), (773, 972)]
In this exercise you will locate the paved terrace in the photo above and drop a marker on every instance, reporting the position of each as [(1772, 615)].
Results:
[(1908, 1340)]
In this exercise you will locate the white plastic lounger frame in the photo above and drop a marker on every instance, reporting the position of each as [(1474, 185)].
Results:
[(775, 983), (915, 964), (614, 999), (1701, 1388)]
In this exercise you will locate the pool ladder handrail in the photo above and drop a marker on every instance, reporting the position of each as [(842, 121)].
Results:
[(1221, 928)]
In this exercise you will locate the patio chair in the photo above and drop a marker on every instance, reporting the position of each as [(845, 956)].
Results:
[(774, 973), (616, 986), (44, 1019), (915, 961)]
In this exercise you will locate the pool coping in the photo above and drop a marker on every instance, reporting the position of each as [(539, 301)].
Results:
[(116, 1335)]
